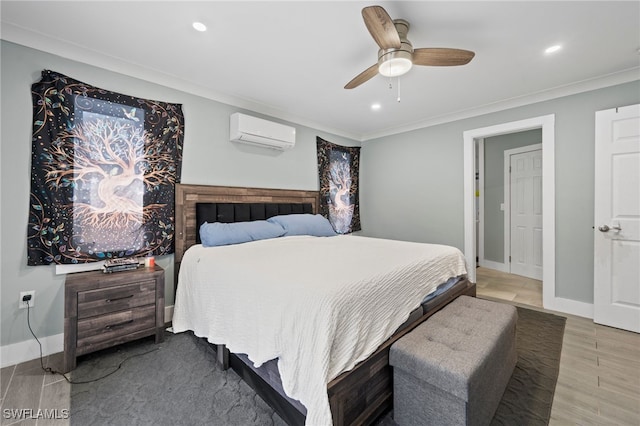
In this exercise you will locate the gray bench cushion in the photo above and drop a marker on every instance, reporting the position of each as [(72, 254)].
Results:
[(467, 350)]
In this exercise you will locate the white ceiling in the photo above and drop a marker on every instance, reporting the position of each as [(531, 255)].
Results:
[(292, 59)]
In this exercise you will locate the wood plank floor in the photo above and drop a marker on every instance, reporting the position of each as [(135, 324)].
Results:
[(27, 389), (599, 379), (598, 384)]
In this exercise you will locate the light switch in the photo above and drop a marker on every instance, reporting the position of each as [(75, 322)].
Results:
[(501, 207)]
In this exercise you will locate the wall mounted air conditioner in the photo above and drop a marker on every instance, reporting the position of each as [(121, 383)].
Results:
[(256, 131)]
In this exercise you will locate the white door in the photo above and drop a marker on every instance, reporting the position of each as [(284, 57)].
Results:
[(526, 214), (617, 218)]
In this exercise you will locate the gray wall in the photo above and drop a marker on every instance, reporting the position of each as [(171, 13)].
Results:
[(411, 183), (412, 189), (209, 158), (494, 149)]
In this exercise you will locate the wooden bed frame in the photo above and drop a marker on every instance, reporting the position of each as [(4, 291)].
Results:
[(358, 396), (187, 196)]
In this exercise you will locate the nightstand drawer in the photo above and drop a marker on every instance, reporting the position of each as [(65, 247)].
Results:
[(106, 300), (94, 330), (104, 310)]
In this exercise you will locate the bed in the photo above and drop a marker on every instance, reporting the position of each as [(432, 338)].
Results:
[(358, 384)]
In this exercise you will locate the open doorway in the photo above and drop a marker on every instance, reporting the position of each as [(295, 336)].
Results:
[(494, 194), (471, 138), (509, 226)]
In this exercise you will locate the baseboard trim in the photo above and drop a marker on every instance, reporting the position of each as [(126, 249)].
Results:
[(490, 264), (27, 350)]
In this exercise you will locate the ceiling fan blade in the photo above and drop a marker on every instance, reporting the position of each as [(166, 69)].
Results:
[(441, 57), (364, 76), (381, 27)]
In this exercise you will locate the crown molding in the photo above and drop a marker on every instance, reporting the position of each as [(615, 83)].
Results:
[(625, 76), (76, 52)]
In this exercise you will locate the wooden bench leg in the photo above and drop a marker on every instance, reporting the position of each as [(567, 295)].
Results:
[(222, 354)]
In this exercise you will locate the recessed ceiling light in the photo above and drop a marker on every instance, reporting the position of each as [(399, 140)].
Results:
[(199, 26), (375, 106), (553, 49)]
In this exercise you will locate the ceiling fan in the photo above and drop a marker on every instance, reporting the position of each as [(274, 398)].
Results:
[(396, 55)]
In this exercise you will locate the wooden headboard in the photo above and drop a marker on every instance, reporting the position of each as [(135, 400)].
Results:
[(188, 196)]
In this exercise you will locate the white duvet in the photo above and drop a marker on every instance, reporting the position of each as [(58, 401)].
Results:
[(318, 305)]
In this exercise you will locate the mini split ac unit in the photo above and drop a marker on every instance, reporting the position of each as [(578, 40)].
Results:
[(256, 131)]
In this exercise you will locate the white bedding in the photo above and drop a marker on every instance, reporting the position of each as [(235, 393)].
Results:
[(319, 305)]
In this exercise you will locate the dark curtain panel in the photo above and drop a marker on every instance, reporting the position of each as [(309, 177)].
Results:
[(103, 172), (338, 169)]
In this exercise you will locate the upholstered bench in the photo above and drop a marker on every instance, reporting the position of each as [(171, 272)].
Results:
[(454, 368)]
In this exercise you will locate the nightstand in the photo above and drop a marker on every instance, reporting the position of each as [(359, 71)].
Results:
[(103, 310)]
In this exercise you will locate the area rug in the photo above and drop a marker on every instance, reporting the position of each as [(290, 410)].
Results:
[(529, 394), (528, 398), (178, 382)]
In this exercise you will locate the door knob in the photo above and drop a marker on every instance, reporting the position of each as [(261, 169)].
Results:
[(605, 228)]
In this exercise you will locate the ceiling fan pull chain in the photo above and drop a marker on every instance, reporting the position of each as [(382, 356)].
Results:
[(398, 89)]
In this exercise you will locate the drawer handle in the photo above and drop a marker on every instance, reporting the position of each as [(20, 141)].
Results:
[(119, 298), (120, 324)]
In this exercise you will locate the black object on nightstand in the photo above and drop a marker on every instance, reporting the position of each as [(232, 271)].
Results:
[(104, 310)]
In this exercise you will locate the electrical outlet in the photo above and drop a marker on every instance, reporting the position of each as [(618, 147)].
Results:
[(31, 303)]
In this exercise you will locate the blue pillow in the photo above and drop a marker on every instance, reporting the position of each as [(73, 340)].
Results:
[(222, 234), (304, 224)]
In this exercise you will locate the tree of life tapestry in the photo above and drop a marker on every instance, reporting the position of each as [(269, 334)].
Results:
[(338, 169), (103, 172)]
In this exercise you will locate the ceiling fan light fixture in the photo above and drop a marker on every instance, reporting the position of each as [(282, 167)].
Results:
[(395, 63), (397, 55)]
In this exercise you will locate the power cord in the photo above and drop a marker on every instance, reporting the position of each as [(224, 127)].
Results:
[(27, 298)]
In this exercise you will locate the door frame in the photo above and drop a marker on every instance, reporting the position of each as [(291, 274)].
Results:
[(507, 198), (547, 124)]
